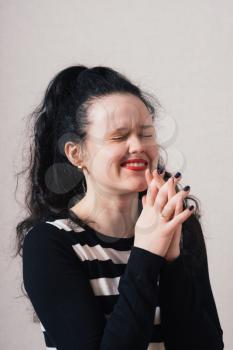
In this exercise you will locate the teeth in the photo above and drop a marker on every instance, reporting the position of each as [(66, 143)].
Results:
[(136, 164)]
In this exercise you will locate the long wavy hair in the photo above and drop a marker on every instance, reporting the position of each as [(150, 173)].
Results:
[(53, 184)]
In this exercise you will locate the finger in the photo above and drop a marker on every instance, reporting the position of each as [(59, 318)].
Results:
[(158, 178), (149, 176), (143, 200), (171, 189), (152, 192), (177, 178), (160, 181), (176, 200), (162, 196), (170, 185), (152, 187), (179, 206), (180, 218), (154, 175)]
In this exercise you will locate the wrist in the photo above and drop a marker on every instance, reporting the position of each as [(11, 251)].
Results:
[(172, 257)]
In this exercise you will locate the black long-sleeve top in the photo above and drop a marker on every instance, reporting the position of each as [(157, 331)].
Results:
[(95, 292)]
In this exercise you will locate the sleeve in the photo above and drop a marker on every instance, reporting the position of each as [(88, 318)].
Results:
[(188, 311), (63, 299)]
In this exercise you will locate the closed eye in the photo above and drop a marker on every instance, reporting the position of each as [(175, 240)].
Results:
[(119, 138)]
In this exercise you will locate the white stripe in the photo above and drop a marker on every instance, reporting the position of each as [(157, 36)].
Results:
[(42, 327), (156, 346), (157, 315), (85, 252), (152, 346), (65, 224), (156, 318), (105, 286)]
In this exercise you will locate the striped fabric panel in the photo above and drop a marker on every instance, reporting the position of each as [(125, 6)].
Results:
[(96, 259)]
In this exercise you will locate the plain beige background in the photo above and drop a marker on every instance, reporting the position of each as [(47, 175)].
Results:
[(182, 51)]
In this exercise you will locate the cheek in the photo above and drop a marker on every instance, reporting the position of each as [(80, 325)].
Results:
[(113, 155), (105, 161)]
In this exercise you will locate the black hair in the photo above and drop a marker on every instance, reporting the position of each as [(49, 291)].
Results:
[(53, 184)]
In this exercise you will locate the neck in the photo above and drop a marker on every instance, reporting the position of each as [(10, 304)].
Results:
[(113, 215)]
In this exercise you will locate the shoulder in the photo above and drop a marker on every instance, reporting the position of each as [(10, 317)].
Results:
[(59, 228), (39, 239), (48, 236), (48, 257), (41, 232), (47, 246)]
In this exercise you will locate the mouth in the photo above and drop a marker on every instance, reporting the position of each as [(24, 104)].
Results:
[(138, 165)]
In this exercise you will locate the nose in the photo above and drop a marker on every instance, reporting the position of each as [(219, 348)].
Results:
[(136, 144)]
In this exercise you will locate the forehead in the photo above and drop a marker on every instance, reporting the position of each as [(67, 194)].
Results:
[(115, 111)]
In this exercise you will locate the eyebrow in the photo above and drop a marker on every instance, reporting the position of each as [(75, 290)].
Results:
[(124, 128)]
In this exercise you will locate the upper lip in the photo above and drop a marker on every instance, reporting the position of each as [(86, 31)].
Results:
[(134, 160)]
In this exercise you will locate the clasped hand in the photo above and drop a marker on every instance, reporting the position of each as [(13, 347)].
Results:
[(154, 182)]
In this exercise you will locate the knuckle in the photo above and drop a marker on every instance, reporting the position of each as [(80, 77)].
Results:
[(152, 183), (170, 181), (183, 194), (178, 197), (168, 209), (158, 202)]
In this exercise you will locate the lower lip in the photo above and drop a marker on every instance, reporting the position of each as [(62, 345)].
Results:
[(136, 168)]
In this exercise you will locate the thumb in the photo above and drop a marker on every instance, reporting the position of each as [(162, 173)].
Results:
[(148, 176), (143, 200)]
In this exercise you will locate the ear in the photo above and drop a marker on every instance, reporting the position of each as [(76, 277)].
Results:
[(73, 152)]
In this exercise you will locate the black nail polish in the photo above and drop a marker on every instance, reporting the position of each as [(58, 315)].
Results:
[(160, 171), (186, 188), (191, 207), (178, 174)]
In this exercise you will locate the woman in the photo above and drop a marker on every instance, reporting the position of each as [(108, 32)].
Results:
[(113, 256)]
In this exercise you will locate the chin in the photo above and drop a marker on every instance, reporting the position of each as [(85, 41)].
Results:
[(139, 187)]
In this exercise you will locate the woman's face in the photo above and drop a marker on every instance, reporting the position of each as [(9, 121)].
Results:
[(121, 128)]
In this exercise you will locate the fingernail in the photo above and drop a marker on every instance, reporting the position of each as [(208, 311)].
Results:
[(186, 188), (178, 174), (160, 171), (191, 207)]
